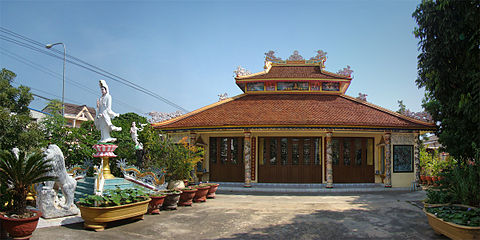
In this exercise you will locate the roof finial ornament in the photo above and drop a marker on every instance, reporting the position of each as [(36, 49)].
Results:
[(241, 72), (321, 55), (222, 96), (270, 56), (295, 56), (345, 71)]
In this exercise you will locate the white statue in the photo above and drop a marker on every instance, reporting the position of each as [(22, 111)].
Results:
[(134, 133), (47, 197), (103, 119)]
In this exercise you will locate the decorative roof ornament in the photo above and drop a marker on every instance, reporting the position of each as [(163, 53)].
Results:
[(222, 96), (321, 55), (270, 56), (345, 71), (295, 56), (362, 97), (241, 72)]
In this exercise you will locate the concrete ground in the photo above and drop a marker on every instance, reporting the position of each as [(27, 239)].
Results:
[(386, 215)]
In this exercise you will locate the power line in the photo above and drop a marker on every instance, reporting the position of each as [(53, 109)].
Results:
[(56, 75), (88, 66)]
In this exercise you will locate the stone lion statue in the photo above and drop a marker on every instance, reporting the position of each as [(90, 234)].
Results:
[(47, 192)]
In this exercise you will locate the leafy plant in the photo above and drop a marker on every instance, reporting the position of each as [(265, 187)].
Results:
[(458, 215), (115, 197), (19, 174), (436, 196), (462, 182)]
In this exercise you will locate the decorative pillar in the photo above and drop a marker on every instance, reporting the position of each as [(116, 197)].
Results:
[(105, 152), (328, 139), (247, 157), (193, 138), (388, 161), (416, 160)]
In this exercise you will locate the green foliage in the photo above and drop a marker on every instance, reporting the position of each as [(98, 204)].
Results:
[(115, 197), (458, 215), (16, 126), (462, 183), (449, 69), (435, 196), (178, 158), (75, 143), (20, 174)]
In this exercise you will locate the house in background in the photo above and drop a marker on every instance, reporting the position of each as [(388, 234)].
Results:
[(76, 114), (38, 115), (294, 124)]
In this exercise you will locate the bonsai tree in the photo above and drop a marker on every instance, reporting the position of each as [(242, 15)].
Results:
[(19, 174)]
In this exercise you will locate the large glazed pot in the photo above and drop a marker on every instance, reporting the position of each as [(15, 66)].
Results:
[(171, 201), (186, 198), (201, 194), (96, 218), (212, 190), (20, 228), (155, 204), (452, 230), (176, 184)]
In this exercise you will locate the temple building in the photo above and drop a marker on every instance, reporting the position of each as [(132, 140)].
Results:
[(294, 124)]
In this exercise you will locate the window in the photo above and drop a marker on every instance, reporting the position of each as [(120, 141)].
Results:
[(402, 158), (346, 152), (226, 150), (358, 151), (295, 151), (256, 86), (213, 150), (284, 151), (335, 151)]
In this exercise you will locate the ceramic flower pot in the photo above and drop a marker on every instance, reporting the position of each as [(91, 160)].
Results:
[(423, 179), (201, 194), (176, 184), (20, 228), (96, 218), (155, 204), (186, 197), (429, 180), (212, 190), (452, 230), (171, 201)]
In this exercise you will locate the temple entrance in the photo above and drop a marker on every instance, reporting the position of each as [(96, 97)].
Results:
[(352, 160), (289, 160), (226, 159)]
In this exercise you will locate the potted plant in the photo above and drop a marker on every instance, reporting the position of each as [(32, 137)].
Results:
[(20, 172), (179, 159), (201, 194), (187, 195), (452, 208), (454, 221), (212, 190), (114, 205), (156, 203), (171, 199)]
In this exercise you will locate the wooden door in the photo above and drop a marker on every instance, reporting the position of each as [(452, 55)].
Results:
[(352, 160), (226, 159)]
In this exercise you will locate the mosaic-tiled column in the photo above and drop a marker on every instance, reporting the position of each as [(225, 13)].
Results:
[(328, 140), (247, 157), (193, 138), (416, 160), (388, 161)]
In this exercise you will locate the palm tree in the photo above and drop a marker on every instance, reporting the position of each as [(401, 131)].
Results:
[(22, 172)]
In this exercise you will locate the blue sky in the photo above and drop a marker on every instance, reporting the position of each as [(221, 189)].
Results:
[(186, 51)]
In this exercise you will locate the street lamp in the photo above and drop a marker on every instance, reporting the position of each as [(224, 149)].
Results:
[(48, 46)]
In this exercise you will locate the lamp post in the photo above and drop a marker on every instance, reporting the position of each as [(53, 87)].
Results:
[(48, 46)]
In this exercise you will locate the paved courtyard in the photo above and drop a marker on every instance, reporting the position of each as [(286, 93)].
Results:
[(386, 215)]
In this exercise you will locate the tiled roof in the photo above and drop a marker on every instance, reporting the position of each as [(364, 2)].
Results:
[(293, 110), (289, 71), (75, 109)]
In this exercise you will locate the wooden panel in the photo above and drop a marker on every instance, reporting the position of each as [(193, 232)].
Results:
[(352, 164), (295, 169), (226, 160)]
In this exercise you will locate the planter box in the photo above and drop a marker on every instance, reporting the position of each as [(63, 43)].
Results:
[(452, 230), (96, 218)]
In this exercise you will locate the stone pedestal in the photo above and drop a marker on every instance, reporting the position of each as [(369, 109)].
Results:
[(105, 151)]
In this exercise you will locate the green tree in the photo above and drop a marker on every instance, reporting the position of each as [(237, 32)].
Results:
[(449, 69), (16, 126)]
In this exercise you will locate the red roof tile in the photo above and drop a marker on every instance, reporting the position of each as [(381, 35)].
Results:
[(290, 71), (291, 110)]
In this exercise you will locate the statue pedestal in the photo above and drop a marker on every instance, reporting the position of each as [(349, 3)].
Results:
[(105, 151)]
